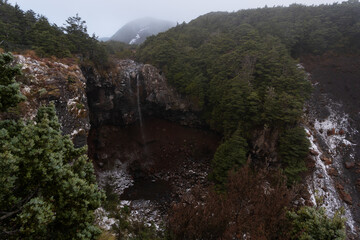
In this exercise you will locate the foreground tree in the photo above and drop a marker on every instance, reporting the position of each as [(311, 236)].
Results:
[(48, 188), (313, 223), (9, 89)]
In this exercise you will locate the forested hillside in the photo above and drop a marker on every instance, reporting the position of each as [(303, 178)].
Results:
[(239, 68), (21, 30)]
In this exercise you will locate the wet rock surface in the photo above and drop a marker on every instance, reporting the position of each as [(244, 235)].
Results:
[(114, 96), (169, 152), (263, 151)]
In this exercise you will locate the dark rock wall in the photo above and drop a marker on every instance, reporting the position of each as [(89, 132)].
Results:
[(123, 95), (114, 97)]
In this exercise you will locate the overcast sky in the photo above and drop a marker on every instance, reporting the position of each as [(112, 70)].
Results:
[(105, 17)]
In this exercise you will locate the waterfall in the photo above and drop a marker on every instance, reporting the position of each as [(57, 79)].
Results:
[(139, 112), (138, 101), (129, 83)]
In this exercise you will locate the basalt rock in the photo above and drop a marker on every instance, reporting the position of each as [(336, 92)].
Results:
[(264, 147), (114, 96), (344, 195), (349, 165)]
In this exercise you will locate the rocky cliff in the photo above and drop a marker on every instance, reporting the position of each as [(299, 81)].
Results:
[(115, 96), (58, 81), (137, 117)]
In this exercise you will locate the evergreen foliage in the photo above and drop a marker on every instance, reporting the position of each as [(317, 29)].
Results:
[(293, 148), (9, 89), (313, 223), (48, 188), (231, 154), (120, 50), (241, 76)]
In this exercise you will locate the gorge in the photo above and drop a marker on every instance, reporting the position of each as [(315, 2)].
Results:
[(150, 146), (236, 125)]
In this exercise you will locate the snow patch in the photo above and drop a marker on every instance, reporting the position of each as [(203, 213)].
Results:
[(332, 133), (76, 132), (334, 123), (117, 178), (26, 89), (133, 41), (320, 184), (144, 211), (72, 101), (103, 220)]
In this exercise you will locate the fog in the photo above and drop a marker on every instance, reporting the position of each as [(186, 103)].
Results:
[(105, 17)]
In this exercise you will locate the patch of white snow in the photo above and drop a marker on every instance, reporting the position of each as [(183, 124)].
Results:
[(133, 41)]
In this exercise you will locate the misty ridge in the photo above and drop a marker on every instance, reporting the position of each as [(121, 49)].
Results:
[(136, 31)]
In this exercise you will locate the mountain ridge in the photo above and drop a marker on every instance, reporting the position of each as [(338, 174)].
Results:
[(136, 31)]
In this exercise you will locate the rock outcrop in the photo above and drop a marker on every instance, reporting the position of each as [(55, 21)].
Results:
[(264, 144), (50, 80)]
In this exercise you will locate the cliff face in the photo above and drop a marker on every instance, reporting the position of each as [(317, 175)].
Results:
[(48, 80), (115, 98)]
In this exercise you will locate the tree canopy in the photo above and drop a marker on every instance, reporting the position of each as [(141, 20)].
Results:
[(240, 78)]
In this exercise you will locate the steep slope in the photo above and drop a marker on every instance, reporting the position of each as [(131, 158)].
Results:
[(136, 32), (333, 113)]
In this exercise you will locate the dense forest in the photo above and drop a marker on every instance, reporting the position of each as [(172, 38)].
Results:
[(241, 72)]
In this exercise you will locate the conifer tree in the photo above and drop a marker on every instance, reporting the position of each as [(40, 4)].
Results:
[(48, 189), (9, 89)]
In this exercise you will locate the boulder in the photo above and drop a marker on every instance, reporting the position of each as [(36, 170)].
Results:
[(332, 172), (331, 132), (313, 152), (349, 165), (341, 132), (343, 194), (326, 160)]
